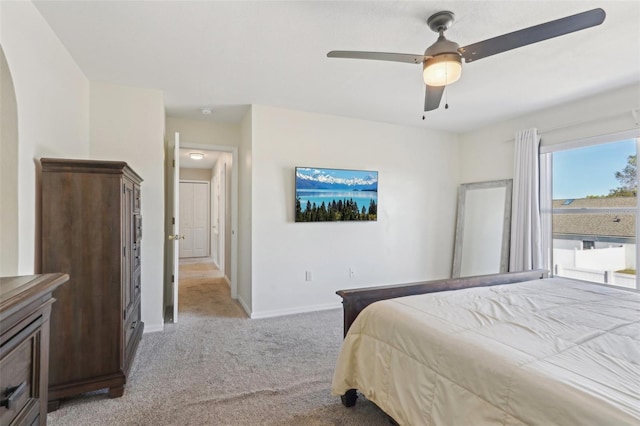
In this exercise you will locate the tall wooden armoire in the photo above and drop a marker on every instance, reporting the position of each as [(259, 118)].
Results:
[(92, 230)]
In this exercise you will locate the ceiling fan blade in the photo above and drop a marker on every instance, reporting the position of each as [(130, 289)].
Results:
[(531, 35), (432, 97), (379, 56)]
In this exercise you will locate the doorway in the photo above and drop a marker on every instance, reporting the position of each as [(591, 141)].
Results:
[(213, 237)]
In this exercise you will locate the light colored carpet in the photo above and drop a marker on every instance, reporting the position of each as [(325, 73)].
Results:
[(216, 367)]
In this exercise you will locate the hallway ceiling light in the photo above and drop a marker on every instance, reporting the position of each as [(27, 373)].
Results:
[(205, 110), (196, 155)]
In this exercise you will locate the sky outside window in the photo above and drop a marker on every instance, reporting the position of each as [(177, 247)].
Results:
[(591, 170)]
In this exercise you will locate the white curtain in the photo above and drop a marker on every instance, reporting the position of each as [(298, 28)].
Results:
[(526, 236)]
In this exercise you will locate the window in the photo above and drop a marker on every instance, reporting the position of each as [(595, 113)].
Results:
[(593, 210)]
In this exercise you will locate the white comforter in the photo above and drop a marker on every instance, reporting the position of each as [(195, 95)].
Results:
[(542, 352)]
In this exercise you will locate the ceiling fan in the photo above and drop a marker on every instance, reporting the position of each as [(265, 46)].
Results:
[(442, 61)]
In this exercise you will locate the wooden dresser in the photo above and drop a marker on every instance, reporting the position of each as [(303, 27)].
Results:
[(25, 306), (92, 230)]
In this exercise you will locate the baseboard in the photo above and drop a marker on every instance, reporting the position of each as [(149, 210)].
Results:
[(153, 328), (227, 280), (244, 306), (292, 311)]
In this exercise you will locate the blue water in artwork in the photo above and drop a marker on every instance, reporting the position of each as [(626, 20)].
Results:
[(363, 198)]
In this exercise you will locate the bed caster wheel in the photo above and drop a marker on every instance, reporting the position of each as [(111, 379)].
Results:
[(349, 398)]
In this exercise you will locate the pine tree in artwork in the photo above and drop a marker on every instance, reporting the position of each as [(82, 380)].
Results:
[(298, 210), (373, 208), (307, 212), (322, 216)]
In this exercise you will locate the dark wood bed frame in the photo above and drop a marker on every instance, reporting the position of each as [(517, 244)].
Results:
[(355, 300)]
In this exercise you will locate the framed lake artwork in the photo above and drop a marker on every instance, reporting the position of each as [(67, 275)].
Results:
[(334, 195)]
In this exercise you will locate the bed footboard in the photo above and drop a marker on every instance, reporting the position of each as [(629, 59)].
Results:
[(355, 300)]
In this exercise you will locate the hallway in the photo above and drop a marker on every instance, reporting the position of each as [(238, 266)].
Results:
[(203, 291)]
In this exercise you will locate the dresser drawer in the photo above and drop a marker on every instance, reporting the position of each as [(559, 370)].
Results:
[(19, 381)]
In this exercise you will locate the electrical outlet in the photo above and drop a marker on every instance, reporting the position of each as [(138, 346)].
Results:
[(307, 275)]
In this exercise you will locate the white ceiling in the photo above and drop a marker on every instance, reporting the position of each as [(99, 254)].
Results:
[(209, 160), (230, 54)]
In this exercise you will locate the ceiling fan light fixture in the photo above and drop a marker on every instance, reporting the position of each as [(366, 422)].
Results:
[(196, 155), (442, 61), (442, 69)]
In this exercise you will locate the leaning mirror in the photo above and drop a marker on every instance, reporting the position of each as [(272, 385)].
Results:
[(483, 228)]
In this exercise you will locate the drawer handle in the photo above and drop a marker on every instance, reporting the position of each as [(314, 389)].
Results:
[(12, 394), (133, 324)]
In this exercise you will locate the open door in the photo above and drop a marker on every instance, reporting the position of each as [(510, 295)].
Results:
[(175, 235)]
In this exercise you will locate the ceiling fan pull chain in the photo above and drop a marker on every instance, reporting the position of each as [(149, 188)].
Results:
[(446, 98), (446, 88)]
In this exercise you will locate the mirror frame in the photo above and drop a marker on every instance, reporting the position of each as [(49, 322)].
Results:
[(506, 227)]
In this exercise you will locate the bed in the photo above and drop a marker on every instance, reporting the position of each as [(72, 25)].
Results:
[(504, 349)]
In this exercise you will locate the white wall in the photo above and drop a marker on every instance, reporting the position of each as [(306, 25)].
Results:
[(222, 240), (127, 124), (227, 159), (630, 255), (8, 172), (411, 241), (52, 96), (562, 244), (245, 188), (204, 132), (54, 100), (606, 259), (487, 154), (214, 216), (195, 174)]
